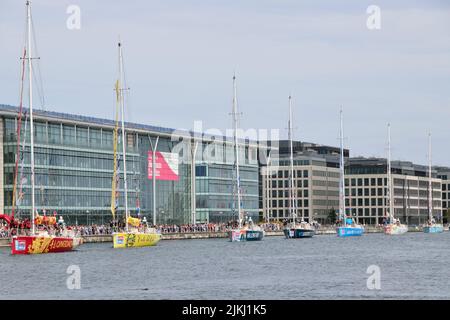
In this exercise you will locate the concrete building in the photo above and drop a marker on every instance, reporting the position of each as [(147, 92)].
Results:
[(74, 167), (366, 190), (444, 174), (316, 182)]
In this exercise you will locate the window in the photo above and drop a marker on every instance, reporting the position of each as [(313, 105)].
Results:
[(200, 171), (68, 134)]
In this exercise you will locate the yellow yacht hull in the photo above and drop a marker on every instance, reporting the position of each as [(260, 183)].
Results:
[(135, 239)]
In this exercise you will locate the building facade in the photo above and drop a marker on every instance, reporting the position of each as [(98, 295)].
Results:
[(316, 182), (74, 168), (366, 190), (444, 174)]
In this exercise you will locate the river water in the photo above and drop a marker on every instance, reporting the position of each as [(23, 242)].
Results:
[(412, 266)]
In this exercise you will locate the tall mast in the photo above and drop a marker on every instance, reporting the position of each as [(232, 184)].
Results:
[(430, 191), (389, 176), (341, 171), (30, 97), (238, 179), (124, 142), (293, 211)]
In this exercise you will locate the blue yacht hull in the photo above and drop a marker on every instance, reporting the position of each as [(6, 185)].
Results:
[(296, 233), (433, 229), (349, 231), (246, 235)]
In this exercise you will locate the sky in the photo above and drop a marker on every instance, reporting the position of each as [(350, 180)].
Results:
[(180, 56)]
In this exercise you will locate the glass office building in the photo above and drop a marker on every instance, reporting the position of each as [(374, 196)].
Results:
[(74, 167)]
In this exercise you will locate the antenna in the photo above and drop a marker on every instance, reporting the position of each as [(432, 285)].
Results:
[(238, 179), (430, 191), (341, 170), (389, 175), (293, 204), (124, 141)]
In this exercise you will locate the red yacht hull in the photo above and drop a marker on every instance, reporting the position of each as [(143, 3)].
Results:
[(42, 244)]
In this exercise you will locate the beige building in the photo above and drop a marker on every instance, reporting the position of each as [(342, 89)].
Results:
[(444, 174), (366, 191), (316, 185)]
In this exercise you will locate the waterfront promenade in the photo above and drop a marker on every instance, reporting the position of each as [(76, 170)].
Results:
[(326, 230)]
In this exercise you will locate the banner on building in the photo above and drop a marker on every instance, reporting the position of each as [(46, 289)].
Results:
[(166, 166)]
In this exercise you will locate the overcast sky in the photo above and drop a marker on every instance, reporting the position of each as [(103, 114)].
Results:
[(180, 56)]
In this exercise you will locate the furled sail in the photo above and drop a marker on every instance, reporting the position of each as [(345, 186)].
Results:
[(115, 178)]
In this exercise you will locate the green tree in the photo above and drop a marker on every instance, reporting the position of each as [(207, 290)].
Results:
[(446, 216), (332, 216)]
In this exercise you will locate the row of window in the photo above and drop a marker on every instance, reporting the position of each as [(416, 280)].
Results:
[(69, 135)]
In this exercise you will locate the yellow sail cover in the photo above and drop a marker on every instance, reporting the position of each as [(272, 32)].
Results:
[(115, 178), (135, 222)]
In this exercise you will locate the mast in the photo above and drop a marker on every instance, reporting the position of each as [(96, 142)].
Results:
[(293, 211), (430, 191), (235, 122), (341, 171), (124, 142), (389, 176), (30, 97)]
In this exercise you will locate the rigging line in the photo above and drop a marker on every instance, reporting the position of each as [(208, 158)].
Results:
[(19, 125), (22, 163), (40, 85), (126, 93)]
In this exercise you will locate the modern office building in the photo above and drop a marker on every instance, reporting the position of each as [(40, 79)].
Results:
[(316, 182), (444, 174), (73, 170), (366, 190)]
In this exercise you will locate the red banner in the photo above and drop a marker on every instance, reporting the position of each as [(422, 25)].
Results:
[(166, 166)]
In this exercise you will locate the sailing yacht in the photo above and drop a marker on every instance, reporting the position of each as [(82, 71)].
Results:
[(348, 227), (137, 233), (393, 226), (294, 230), (44, 238), (432, 226), (247, 230)]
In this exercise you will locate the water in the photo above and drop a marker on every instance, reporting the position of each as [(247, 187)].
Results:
[(413, 266)]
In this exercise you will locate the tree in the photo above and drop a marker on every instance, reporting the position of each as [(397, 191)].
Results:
[(332, 216), (446, 216)]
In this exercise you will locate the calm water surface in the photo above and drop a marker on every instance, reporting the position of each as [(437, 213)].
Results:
[(413, 266)]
